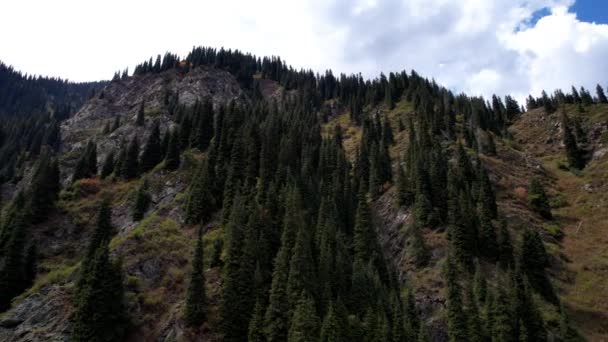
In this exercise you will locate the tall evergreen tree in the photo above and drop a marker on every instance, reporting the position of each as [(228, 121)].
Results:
[(601, 96), (573, 152), (305, 323), (172, 160), (141, 202), (140, 119), (538, 198), (196, 298), (151, 155), (130, 165)]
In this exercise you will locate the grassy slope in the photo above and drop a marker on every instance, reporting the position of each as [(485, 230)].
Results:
[(580, 214)]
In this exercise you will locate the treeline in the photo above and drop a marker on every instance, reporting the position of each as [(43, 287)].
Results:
[(351, 90), (22, 140), (25, 95)]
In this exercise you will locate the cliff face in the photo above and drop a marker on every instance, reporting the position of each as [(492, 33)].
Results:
[(121, 100)]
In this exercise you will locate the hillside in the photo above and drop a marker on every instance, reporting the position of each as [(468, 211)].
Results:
[(369, 211)]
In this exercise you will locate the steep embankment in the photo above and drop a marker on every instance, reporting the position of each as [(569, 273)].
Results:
[(156, 251), (579, 199)]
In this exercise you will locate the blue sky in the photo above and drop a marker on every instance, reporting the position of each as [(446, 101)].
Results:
[(591, 10)]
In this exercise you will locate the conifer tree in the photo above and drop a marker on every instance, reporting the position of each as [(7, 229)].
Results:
[(331, 331), (196, 298), (418, 249), (573, 153), (278, 312), (256, 324), (200, 202), (172, 160), (505, 248), (130, 165), (108, 165), (12, 276), (237, 304), (363, 231), (140, 119), (44, 189), (151, 155), (305, 323), (533, 261), (457, 320), (141, 202), (100, 309), (31, 264), (601, 97), (538, 198)]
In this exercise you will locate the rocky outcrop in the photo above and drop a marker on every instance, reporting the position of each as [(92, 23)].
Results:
[(43, 316), (122, 99)]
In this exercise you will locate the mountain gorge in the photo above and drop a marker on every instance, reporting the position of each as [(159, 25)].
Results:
[(225, 197)]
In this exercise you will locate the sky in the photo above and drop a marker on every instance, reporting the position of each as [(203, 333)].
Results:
[(480, 47)]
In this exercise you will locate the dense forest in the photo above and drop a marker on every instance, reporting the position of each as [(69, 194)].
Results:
[(299, 254)]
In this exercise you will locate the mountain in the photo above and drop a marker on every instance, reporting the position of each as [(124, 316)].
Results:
[(226, 197), (27, 95)]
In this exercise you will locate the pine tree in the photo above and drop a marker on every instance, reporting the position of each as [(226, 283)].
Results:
[(363, 231), (31, 264), (172, 160), (99, 300), (505, 248), (601, 97), (12, 276), (256, 324), (44, 189), (566, 332), (331, 331), (130, 165), (305, 323), (457, 319), (151, 155), (573, 153), (100, 313), (108, 165), (533, 261), (141, 202), (200, 202), (196, 297), (278, 311), (140, 119), (538, 199), (237, 304), (418, 249)]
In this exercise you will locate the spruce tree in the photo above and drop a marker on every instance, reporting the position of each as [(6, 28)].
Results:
[(200, 202), (151, 155), (573, 153), (601, 97), (331, 331), (538, 198), (457, 319), (130, 165), (13, 279), (172, 160), (108, 165), (256, 324), (196, 299), (140, 119), (100, 313), (141, 202), (305, 323)]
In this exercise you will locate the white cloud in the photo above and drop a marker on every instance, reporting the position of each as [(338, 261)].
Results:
[(476, 46)]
